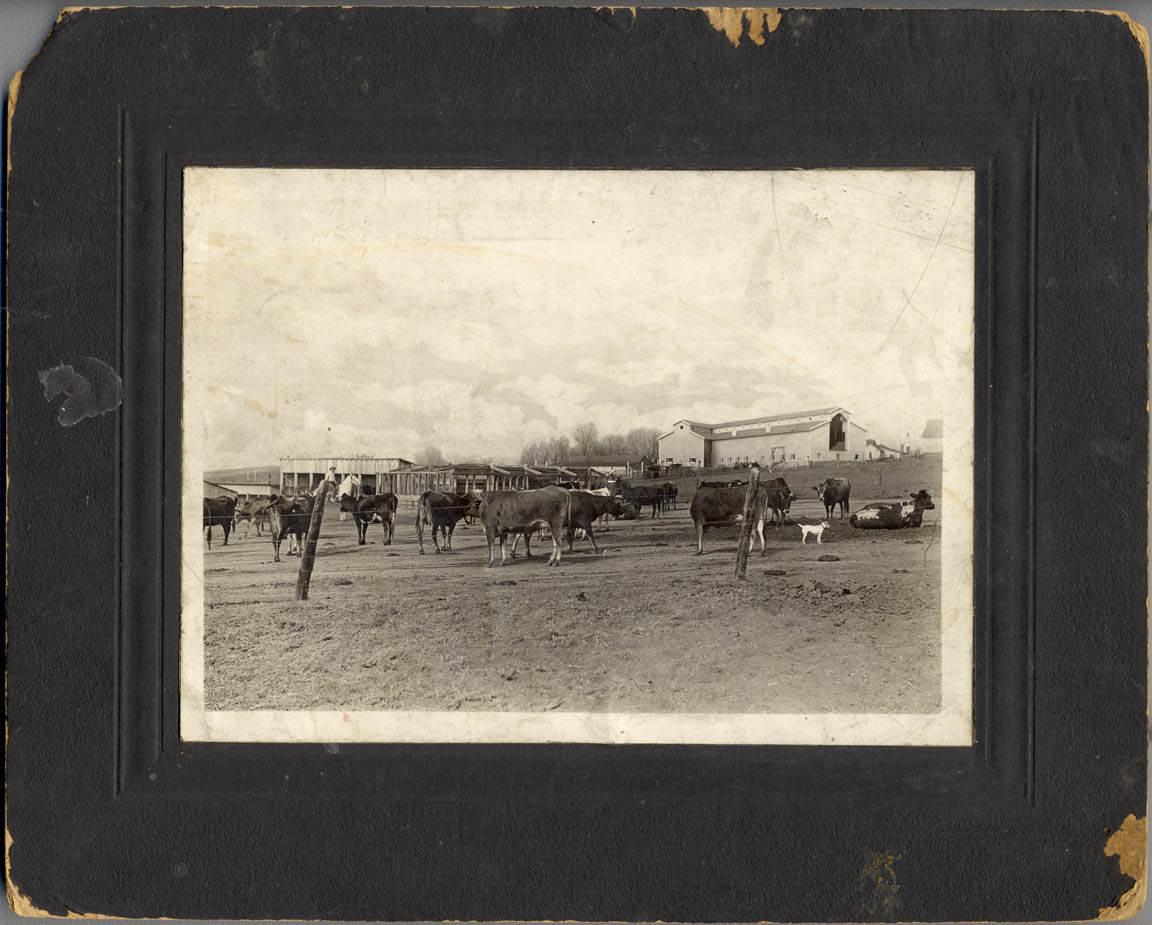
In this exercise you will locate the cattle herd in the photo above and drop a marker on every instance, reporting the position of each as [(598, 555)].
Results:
[(559, 512)]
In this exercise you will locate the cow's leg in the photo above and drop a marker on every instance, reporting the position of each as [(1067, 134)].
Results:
[(386, 525), (759, 533), (820, 537), (556, 532), (700, 537), (592, 540), (209, 536), (275, 546), (227, 525), (503, 540), (449, 530)]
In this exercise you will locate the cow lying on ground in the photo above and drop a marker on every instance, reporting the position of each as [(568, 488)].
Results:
[(254, 512), (892, 515), (834, 492), (219, 512), (289, 518), (515, 512), (442, 512), (374, 508)]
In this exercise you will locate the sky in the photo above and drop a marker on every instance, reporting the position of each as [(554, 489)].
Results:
[(344, 312)]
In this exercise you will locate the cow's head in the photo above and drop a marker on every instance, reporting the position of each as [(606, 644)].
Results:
[(922, 500)]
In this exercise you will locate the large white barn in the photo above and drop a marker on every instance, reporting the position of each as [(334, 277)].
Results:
[(776, 439)]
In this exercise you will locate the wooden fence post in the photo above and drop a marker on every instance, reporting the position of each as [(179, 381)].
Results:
[(750, 504), (308, 556)]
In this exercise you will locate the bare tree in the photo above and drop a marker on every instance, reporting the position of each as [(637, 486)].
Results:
[(558, 451), (643, 441), (585, 437), (430, 456)]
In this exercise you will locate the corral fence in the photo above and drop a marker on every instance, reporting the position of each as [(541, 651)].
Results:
[(871, 479)]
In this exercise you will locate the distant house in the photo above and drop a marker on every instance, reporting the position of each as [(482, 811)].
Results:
[(246, 491), (212, 490), (877, 450), (609, 464), (933, 436)]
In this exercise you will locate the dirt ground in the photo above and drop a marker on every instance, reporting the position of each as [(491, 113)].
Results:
[(647, 627)]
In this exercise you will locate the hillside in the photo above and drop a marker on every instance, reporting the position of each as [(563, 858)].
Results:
[(252, 475)]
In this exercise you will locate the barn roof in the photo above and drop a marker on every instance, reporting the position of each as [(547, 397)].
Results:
[(769, 418), (934, 428)]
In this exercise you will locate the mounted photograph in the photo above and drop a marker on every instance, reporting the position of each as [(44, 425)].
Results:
[(588, 456)]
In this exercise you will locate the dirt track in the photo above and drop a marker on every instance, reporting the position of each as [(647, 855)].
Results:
[(648, 627)]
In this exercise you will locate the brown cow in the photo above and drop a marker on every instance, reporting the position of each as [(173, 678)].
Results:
[(515, 512), (443, 512)]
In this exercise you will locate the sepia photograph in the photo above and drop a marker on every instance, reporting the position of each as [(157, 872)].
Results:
[(603, 456)]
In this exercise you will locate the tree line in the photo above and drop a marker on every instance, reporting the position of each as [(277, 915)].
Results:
[(587, 441)]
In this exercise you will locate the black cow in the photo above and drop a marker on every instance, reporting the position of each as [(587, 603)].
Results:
[(644, 496), (519, 512), (670, 493), (369, 508), (289, 517), (723, 507), (219, 512), (443, 512), (892, 515), (833, 492), (778, 499)]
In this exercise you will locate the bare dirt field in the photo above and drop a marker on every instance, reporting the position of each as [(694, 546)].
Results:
[(647, 627)]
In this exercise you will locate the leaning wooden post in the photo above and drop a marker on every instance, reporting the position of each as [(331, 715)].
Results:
[(304, 578), (750, 498)]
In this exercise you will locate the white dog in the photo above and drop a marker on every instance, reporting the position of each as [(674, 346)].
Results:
[(805, 529)]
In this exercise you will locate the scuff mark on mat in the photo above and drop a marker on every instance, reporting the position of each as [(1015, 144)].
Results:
[(880, 893), (1130, 844), (731, 22), (91, 387)]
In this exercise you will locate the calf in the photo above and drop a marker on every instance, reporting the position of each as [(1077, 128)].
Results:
[(514, 512), (892, 515), (670, 493), (254, 512), (834, 492), (442, 512), (723, 507), (369, 508), (219, 512)]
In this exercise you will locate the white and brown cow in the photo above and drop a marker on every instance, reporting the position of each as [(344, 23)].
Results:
[(892, 515)]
